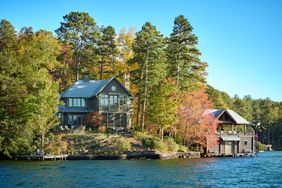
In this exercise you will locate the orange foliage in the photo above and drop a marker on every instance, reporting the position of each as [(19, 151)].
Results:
[(94, 119), (194, 124)]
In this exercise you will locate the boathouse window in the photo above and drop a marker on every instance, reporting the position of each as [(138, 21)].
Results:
[(76, 102), (245, 142)]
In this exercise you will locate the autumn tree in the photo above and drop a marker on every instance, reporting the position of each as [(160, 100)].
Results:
[(194, 124), (28, 95), (125, 54), (184, 63), (94, 119), (79, 30), (163, 103), (148, 48)]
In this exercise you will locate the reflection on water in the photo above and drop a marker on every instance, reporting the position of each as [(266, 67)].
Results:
[(262, 171)]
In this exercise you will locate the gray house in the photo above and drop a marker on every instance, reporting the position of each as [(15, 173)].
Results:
[(235, 135), (108, 97)]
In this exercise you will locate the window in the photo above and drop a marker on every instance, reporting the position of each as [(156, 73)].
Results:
[(113, 102), (76, 119), (104, 101), (123, 120), (245, 142), (76, 102)]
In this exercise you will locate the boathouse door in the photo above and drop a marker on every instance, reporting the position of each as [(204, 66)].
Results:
[(228, 148)]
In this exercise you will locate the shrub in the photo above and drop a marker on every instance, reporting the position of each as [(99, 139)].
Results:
[(161, 146), (171, 144), (260, 146), (123, 145), (57, 146), (148, 142), (102, 129), (94, 119), (182, 148)]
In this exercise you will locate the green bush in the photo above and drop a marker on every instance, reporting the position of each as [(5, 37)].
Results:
[(182, 148), (260, 146), (171, 144), (123, 145), (161, 146)]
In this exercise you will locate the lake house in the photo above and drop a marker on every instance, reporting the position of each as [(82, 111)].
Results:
[(108, 97), (235, 136)]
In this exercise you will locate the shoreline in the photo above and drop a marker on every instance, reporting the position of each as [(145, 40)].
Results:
[(131, 155)]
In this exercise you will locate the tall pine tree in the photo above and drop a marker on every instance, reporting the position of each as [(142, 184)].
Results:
[(149, 54), (183, 59), (79, 30)]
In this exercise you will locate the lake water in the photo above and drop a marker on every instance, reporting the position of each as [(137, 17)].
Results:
[(265, 170)]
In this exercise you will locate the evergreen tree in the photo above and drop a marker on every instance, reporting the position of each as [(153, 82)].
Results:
[(107, 52), (183, 59), (149, 54), (163, 104), (79, 30), (7, 34)]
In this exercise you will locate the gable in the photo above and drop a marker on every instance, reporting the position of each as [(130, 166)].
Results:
[(225, 118), (228, 117), (114, 86)]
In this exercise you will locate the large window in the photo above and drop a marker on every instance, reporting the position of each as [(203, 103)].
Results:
[(104, 101), (113, 102), (76, 102), (76, 119), (115, 120)]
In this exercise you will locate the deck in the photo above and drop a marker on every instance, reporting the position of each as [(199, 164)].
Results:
[(41, 157)]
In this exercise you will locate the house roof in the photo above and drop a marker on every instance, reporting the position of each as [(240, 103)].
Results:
[(87, 89), (238, 120)]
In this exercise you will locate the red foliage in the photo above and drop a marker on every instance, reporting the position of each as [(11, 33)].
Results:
[(94, 119), (194, 123)]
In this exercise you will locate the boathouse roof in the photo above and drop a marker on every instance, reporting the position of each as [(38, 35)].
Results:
[(227, 116)]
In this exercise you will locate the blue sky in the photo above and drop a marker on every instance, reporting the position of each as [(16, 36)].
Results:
[(241, 40)]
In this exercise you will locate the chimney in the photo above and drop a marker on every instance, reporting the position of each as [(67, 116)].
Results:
[(86, 78)]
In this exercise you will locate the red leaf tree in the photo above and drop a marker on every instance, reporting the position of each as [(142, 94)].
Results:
[(194, 123), (94, 119)]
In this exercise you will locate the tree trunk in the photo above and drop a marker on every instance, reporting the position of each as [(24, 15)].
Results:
[(162, 133), (138, 110), (178, 74), (145, 93), (101, 70), (77, 70), (42, 144)]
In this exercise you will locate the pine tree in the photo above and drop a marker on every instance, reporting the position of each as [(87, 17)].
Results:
[(183, 59), (149, 54), (7, 34), (107, 52), (79, 30), (163, 104)]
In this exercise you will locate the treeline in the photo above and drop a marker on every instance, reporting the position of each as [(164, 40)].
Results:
[(165, 74), (264, 114)]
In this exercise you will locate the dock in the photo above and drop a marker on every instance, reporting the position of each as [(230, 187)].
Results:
[(41, 157)]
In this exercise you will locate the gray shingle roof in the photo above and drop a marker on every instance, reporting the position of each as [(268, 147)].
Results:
[(239, 120), (85, 89)]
